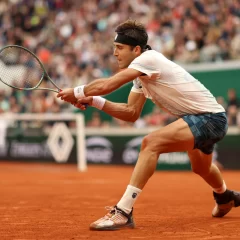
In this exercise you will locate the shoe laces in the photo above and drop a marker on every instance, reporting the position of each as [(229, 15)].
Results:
[(114, 211), (111, 211)]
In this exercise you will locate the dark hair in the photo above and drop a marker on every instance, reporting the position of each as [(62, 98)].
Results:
[(135, 30)]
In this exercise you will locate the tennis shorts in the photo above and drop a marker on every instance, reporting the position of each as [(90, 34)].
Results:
[(207, 129)]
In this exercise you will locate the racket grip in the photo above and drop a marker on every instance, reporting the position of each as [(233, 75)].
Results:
[(85, 104)]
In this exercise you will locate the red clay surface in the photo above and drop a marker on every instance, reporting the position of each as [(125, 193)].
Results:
[(56, 202)]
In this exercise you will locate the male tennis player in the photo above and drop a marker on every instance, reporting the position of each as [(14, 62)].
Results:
[(201, 120)]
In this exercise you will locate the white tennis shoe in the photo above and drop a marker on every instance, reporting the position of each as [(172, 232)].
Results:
[(115, 219)]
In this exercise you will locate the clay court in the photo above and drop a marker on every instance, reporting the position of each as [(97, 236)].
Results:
[(56, 202)]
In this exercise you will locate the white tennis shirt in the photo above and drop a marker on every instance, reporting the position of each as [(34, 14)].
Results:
[(171, 87)]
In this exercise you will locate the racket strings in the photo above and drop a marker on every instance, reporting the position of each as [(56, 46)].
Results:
[(19, 68)]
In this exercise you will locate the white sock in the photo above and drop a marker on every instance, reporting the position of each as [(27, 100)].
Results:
[(222, 189), (128, 199)]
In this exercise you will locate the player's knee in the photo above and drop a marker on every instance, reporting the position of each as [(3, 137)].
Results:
[(144, 143), (148, 143)]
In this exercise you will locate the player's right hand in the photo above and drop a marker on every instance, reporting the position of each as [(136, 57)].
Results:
[(67, 95)]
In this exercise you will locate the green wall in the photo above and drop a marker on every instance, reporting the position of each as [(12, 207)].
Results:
[(218, 82)]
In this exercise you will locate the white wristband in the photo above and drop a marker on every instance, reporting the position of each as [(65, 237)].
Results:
[(79, 91), (98, 102)]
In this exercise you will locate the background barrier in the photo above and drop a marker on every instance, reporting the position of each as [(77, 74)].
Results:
[(108, 146)]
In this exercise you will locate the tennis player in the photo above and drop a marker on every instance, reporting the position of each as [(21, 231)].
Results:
[(201, 120)]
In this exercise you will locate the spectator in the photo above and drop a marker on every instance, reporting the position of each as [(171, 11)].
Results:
[(95, 120), (222, 101), (232, 107), (4, 104), (157, 117)]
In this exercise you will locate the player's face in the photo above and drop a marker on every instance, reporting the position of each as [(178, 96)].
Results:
[(125, 54)]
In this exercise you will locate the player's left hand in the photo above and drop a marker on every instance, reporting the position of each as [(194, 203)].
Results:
[(67, 95), (83, 103)]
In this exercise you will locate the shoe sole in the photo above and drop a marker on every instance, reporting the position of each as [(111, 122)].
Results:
[(222, 209), (112, 228)]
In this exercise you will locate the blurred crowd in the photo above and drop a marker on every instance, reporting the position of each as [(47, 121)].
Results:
[(74, 38)]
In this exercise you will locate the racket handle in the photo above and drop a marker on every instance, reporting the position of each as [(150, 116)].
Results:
[(85, 104)]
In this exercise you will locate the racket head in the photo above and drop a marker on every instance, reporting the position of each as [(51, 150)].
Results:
[(21, 69)]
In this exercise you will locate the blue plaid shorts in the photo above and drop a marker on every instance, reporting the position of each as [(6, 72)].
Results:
[(207, 129)]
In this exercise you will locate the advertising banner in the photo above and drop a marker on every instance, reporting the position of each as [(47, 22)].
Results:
[(111, 150), (117, 150)]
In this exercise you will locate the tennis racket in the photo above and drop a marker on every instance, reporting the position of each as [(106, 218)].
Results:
[(21, 69)]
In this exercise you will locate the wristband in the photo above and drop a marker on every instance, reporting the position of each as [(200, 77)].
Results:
[(79, 91), (98, 102)]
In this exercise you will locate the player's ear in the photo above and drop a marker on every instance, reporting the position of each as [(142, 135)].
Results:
[(138, 50)]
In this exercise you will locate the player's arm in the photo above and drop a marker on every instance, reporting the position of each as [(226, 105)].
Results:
[(108, 85), (99, 87), (129, 111)]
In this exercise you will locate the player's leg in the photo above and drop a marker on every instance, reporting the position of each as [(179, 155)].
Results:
[(207, 130), (215, 158), (203, 166), (175, 137)]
